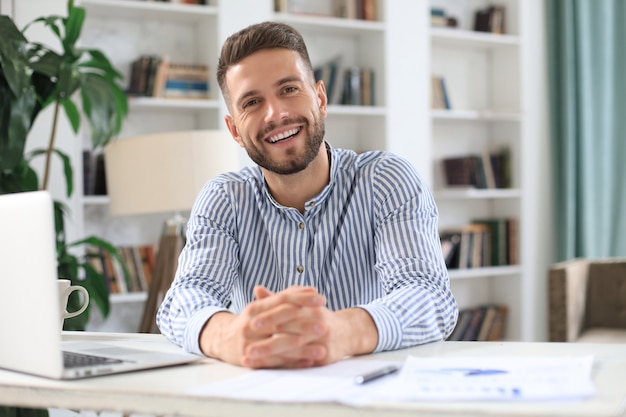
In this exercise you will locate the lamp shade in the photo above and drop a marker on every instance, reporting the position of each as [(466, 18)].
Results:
[(164, 172)]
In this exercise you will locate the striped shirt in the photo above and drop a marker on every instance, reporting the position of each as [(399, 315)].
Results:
[(369, 239)]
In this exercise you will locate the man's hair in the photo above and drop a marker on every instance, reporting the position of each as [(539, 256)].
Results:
[(266, 35)]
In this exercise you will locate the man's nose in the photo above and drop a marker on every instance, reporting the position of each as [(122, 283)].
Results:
[(275, 110)]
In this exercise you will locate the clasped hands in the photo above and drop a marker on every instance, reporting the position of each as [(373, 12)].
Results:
[(288, 329)]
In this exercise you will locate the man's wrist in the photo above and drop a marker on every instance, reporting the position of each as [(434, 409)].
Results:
[(360, 331), (212, 334)]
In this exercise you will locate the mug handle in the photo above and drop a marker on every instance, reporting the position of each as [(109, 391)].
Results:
[(70, 290)]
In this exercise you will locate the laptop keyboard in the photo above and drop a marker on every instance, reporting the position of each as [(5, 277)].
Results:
[(79, 360)]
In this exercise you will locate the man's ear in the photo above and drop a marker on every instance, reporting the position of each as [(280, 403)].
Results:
[(232, 128), (322, 98)]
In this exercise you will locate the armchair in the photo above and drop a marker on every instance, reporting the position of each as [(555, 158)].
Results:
[(587, 301)]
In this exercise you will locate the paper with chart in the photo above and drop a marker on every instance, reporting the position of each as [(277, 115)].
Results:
[(491, 378), (518, 378)]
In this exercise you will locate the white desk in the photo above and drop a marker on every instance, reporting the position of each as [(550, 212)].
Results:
[(166, 391)]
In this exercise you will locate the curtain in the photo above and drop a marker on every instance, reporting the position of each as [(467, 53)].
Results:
[(587, 89)]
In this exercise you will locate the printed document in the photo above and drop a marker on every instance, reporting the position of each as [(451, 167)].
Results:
[(468, 378)]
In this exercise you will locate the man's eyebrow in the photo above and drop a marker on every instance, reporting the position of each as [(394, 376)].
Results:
[(282, 81), (245, 96)]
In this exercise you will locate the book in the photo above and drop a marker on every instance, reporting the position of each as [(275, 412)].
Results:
[(498, 327), (140, 271), (367, 87), (148, 260), (473, 328), (99, 175), (485, 328), (351, 94), (490, 19), (465, 316), (186, 81), (512, 228), (88, 173), (127, 257), (460, 171), (437, 100), (490, 177), (178, 80), (450, 244), (139, 76), (327, 73), (497, 241), (444, 93)]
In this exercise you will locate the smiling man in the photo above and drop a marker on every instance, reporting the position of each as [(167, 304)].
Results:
[(317, 253)]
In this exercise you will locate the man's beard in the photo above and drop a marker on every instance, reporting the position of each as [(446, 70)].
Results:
[(315, 136)]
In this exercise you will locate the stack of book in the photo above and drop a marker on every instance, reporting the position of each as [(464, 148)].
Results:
[(358, 87), (138, 261), (439, 18), (491, 169), (481, 323), (490, 19), (348, 9), (482, 243), (154, 76)]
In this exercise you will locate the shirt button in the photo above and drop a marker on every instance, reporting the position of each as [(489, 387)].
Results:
[(301, 225), (312, 203), (300, 269)]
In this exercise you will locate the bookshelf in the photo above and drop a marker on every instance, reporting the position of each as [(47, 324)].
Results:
[(483, 75), (126, 29)]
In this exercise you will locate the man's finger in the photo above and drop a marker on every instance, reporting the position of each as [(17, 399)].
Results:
[(303, 296)]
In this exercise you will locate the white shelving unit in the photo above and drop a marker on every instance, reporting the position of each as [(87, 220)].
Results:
[(484, 77), (484, 73), (126, 29)]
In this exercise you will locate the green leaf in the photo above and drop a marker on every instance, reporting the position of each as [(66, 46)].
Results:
[(99, 61), (72, 113), (19, 124), (99, 102), (73, 26), (67, 166)]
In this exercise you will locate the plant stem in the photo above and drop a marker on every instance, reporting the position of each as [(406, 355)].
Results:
[(53, 133)]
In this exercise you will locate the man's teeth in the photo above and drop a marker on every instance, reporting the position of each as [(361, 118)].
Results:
[(283, 135)]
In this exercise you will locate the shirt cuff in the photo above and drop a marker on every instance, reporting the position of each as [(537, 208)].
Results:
[(388, 326), (195, 324)]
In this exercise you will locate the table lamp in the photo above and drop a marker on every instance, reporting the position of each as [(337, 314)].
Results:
[(163, 173)]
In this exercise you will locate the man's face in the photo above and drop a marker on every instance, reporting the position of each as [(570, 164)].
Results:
[(276, 112)]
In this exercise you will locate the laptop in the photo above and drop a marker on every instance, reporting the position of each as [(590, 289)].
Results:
[(29, 306)]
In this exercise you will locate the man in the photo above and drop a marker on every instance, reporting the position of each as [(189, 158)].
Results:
[(319, 252)]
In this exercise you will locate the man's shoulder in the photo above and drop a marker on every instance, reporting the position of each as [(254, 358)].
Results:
[(372, 159), (248, 177)]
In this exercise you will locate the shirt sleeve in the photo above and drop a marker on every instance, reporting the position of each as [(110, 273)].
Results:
[(418, 306), (210, 251)]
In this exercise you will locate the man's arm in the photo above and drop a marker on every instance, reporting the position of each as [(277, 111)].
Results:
[(418, 306)]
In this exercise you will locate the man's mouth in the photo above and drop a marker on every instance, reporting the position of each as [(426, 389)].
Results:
[(284, 135)]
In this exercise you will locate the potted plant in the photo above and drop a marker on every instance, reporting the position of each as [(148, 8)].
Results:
[(79, 83)]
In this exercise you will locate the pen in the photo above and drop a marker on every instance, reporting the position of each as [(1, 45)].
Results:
[(370, 376)]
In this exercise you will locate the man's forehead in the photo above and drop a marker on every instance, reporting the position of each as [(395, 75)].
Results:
[(268, 65)]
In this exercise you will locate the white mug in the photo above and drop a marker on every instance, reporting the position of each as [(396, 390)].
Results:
[(65, 289)]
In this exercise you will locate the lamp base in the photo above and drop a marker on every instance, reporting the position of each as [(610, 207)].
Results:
[(170, 246)]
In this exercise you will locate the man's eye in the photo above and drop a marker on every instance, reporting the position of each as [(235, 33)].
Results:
[(250, 103), (290, 89)]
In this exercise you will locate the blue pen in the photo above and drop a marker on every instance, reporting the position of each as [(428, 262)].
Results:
[(379, 373)]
